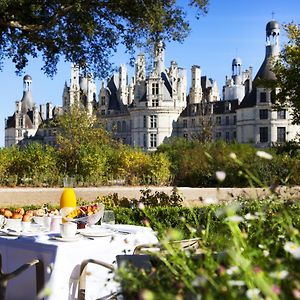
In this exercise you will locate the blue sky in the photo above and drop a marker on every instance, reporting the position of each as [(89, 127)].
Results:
[(231, 28)]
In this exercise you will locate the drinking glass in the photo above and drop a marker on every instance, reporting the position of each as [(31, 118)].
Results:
[(108, 217)]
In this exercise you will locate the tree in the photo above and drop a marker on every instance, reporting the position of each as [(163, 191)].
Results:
[(76, 131), (87, 32), (287, 71)]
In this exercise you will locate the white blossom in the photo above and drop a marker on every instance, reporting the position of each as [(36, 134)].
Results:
[(264, 155), (292, 248), (221, 175), (236, 283), (280, 274), (232, 155), (232, 270), (210, 200), (253, 294), (249, 217), (235, 218)]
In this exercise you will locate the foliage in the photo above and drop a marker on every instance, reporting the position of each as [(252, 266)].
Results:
[(287, 71), (195, 164), (86, 32), (140, 168), (33, 165), (78, 135), (147, 199), (248, 250)]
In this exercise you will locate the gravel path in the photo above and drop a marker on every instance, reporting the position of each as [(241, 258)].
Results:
[(192, 196)]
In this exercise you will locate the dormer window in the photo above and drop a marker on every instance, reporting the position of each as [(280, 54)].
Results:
[(263, 97), (155, 88)]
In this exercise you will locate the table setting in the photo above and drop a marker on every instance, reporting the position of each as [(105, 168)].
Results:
[(62, 240)]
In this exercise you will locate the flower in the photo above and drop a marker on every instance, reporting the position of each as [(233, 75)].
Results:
[(276, 289), (292, 248), (141, 206), (266, 253), (236, 283), (232, 155), (264, 155), (249, 216), (253, 294), (232, 270), (235, 219), (210, 200), (279, 274), (296, 293), (221, 175)]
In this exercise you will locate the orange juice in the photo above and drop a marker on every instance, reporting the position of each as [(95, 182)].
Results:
[(68, 198)]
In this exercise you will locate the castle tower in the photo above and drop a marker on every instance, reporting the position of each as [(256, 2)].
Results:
[(272, 39), (159, 59), (140, 68), (74, 92), (196, 89), (27, 102), (123, 91), (237, 70)]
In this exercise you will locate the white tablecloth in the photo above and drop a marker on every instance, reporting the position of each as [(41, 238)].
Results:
[(62, 262)]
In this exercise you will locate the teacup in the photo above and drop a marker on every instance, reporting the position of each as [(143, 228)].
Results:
[(13, 224), (68, 229), (26, 226), (55, 222)]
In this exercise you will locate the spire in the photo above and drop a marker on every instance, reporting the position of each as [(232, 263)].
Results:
[(27, 102), (272, 38), (159, 64)]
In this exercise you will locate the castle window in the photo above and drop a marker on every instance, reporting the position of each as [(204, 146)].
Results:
[(20, 122), (281, 114), (155, 88), (124, 126), (145, 121), (153, 121), (185, 123), (227, 120), (234, 135), (263, 134), (263, 114), (218, 120), (193, 122), (234, 120), (263, 97), (218, 135), (227, 136), (153, 140), (118, 126), (155, 102), (102, 100), (281, 134)]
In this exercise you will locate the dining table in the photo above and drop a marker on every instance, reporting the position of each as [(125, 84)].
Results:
[(62, 258)]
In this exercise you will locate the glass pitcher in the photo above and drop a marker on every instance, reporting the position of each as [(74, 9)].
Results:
[(68, 196)]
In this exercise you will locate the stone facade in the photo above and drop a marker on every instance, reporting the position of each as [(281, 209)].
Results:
[(155, 106)]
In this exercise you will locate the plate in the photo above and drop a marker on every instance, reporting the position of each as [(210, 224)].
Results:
[(11, 232), (70, 239), (99, 232)]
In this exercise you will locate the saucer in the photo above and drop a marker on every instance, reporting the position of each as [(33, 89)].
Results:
[(64, 239)]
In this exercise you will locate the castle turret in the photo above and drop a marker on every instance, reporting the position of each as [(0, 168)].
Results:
[(196, 89), (27, 102)]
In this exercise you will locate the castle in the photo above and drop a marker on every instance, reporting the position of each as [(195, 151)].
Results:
[(156, 106)]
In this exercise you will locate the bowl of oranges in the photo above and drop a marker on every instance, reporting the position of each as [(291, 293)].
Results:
[(88, 214)]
